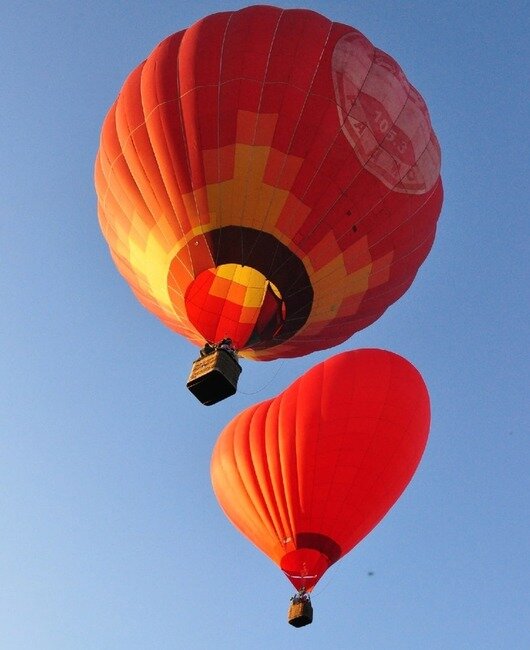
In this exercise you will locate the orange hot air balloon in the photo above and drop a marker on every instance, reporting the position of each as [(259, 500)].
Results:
[(271, 177), (306, 475)]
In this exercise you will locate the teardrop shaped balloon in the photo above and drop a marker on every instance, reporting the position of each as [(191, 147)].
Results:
[(271, 177), (307, 475)]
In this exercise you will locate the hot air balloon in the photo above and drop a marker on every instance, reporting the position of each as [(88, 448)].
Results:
[(270, 178), (307, 475)]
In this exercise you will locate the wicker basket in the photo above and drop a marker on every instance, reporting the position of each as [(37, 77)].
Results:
[(214, 377), (300, 613)]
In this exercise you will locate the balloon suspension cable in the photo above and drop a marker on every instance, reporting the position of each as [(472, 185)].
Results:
[(225, 344), (300, 596), (266, 384), (331, 577)]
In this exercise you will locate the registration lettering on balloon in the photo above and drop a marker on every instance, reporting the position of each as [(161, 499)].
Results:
[(384, 117)]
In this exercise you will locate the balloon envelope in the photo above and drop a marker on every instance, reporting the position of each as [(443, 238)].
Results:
[(269, 176), (306, 475)]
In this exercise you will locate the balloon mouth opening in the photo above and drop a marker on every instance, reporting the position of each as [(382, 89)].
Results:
[(237, 302), (305, 565), (232, 269)]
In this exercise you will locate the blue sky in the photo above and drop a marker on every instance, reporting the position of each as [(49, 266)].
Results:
[(110, 536)]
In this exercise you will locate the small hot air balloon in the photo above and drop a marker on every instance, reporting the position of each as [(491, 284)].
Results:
[(270, 178), (308, 474)]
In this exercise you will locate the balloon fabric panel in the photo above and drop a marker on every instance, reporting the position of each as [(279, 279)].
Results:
[(279, 142)]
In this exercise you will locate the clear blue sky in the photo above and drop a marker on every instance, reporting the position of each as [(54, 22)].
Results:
[(110, 537)]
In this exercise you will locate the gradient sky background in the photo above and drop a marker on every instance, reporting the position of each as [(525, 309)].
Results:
[(110, 536)]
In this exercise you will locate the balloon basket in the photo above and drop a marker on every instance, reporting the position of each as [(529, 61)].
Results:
[(214, 377), (300, 613)]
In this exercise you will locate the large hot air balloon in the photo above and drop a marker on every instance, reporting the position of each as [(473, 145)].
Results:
[(307, 475), (270, 177)]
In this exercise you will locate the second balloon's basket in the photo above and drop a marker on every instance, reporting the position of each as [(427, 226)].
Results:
[(300, 613)]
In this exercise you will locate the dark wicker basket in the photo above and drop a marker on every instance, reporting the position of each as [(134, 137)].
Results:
[(214, 377)]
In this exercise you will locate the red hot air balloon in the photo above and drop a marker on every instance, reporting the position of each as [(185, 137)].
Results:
[(270, 177), (308, 474)]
